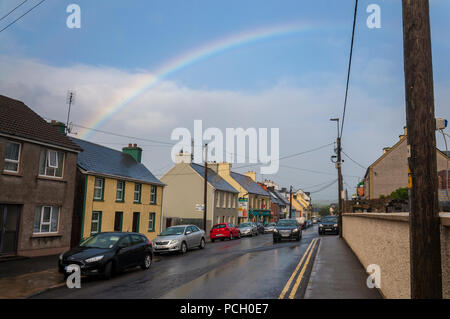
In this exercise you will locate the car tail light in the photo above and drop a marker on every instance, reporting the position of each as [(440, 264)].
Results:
[(150, 243)]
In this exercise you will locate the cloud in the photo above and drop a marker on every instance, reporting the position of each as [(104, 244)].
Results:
[(301, 113)]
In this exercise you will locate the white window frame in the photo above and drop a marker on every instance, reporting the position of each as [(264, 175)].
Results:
[(137, 192), (96, 220), (153, 194), (49, 223), (8, 160), (151, 219), (218, 199), (97, 187), (224, 200), (49, 151), (47, 162), (122, 198)]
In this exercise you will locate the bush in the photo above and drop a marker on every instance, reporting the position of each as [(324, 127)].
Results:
[(400, 193)]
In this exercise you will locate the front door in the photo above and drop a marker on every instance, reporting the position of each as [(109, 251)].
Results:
[(9, 228), (136, 222), (118, 221)]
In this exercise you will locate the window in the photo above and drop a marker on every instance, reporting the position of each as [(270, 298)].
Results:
[(137, 239), (46, 219), (218, 199), (99, 186), (152, 194), (151, 222), (96, 222), (120, 192), (12, 157), (234, 201), (224, 198), (137, 193), (51, 163)]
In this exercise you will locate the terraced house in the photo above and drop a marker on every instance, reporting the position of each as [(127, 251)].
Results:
[(115, 192)]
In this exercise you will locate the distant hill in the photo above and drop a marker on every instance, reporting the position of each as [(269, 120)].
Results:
[(323, 202)]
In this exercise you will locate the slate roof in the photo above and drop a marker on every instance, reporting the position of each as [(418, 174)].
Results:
[(106, 161), (275, 198), (281, 197), (214, 179), (248, 184), (17, 119)]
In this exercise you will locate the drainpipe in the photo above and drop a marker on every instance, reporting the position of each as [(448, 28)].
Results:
[(162, 210)]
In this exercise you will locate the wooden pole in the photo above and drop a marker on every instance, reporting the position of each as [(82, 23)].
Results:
[(205, 189), (425, 251), (340, 186)]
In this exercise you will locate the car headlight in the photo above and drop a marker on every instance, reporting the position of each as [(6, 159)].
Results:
[(275, 230), (94, 259), (320, 225), (295, 230), (175, 241), (335, 225), (61, 256)]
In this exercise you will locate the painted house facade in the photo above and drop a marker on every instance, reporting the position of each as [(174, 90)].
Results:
[(390, 171), (184, 195), (37, 183), (115, 192)]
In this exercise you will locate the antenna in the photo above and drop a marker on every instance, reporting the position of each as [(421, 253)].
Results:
[(70, 101)]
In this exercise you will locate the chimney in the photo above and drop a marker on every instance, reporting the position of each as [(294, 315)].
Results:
[(386, 149), (183, 157), (223, 168), (59, 125), (252, 175), (134, 151)]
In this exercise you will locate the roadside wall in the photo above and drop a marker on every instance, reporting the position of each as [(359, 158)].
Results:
[(383, 239)]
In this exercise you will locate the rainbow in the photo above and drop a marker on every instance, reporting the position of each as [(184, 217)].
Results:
[(187, 59)]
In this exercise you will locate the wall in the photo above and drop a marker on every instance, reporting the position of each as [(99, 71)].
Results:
[(109, 207), (383, 239), (29, 190)]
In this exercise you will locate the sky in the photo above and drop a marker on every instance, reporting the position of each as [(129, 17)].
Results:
[(154, 66)]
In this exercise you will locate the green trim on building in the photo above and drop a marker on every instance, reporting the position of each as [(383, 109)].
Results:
[(84, 206)]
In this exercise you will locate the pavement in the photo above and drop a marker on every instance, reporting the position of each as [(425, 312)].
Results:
[(337, 273)]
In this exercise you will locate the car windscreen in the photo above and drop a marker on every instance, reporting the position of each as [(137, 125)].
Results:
[(287, 223), (219, 226), (101, 241), (329, 220), (271, 224), (244, 225), (173, 231)]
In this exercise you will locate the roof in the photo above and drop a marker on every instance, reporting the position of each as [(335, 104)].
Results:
[(214, 179), (275, 198), (281, 197), (248, 184), (99, 159), (17, 119)]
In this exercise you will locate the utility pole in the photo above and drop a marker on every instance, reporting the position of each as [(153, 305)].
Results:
[(339, 169), (290, 202), (70, 101), (205, 195), (424, 224)]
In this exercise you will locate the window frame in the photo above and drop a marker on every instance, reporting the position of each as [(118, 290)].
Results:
[(151, 218), (120, 200), (98, 221), (153, 195), (46, 166), (8, 160), (96, 188), (140, 193), (49, 223)]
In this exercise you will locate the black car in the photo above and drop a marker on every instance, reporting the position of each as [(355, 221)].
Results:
[(108, 253), (287, 229), (328, 224), (260, 228)]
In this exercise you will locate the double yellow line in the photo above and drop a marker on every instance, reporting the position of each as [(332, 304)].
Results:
[(307, 255)]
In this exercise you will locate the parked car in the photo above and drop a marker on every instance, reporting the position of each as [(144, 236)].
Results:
[(108, 253), (224, 230), (315, 220), (248, 229), (269, 227), (260, 228), (328, 224), (179, 238), (287, 229), (309, 223)]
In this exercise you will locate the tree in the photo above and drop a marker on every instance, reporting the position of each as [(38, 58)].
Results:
[(400, 193)]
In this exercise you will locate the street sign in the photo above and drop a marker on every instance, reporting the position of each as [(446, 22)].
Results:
[(243, 207), (199, 207)]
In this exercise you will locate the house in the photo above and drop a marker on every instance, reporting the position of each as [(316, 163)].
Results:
[(184, 195), (115, 192), (37, 183), (256, 200), (390, 171)]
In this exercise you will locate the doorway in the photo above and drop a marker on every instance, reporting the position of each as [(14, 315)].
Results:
[(136, 218), (9, 228), (118, 219)]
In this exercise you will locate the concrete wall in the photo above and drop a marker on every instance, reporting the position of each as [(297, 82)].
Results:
[(383, 239), (29, 190)]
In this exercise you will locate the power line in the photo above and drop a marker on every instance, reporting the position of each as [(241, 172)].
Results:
[(360, 165), (14, 21), (12, 10), (349, 66), (325, 187)]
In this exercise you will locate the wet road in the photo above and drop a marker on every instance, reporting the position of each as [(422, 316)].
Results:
[(241, 268)]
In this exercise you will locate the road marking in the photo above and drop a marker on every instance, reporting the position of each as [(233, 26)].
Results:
[(288, 284), (302, 272)]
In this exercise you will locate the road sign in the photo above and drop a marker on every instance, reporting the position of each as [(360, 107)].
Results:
[(199, 207)]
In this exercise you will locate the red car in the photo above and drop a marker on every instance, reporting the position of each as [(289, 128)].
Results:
[(224, 230)]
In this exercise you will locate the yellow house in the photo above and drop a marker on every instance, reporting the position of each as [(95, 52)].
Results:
[(115, 192)]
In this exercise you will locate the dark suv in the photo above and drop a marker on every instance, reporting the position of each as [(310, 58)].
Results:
[(107, 253), (328, 224), (287, 229)]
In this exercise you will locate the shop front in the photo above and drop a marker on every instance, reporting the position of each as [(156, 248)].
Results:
[(260, 216)]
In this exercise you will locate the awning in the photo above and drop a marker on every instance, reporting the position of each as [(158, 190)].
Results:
[(260, 212)]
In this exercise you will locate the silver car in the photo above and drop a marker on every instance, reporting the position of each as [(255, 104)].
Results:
[(248, 229), (269, 227), (179, 238)]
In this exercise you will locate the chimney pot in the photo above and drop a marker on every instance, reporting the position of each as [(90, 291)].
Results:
[(129, 144), (134, 145)]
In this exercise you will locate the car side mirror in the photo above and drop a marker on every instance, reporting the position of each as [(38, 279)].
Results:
[(188, 232)]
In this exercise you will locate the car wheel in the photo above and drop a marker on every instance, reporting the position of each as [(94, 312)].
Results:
[(299, 237), (183, 248), (275, 240), (202, 243), (231, 236), (107, 273), (213, 240), (147, 262)]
